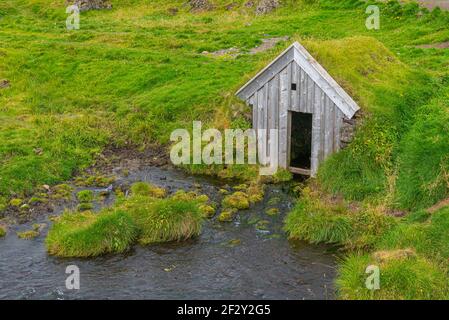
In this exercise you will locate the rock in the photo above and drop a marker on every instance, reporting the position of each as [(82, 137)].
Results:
[(38, 151), (272, 211), (267, 6), (173, 11), (4, 84), (234, 242), (227, 215), (249, 4), (200, 5), (207, 211), (263, 225), (231, 6), (28, 235), (348, 130), (85, 5), (238, 200)]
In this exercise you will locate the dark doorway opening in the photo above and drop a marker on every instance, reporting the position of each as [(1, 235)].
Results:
[(301, 140)]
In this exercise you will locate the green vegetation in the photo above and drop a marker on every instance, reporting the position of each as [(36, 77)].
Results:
[(140, 72), (16, 202), (2, 231), (238, 200), (412, 252), (207, 210), (405, 278), (94, 181), (62, 192), (85, 196), (141, 217), (164, 220), (227, 215), (30, 234), (88, 234), (273, 211), (145, 189)]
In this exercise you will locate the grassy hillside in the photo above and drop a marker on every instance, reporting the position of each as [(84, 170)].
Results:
[(132, 74)]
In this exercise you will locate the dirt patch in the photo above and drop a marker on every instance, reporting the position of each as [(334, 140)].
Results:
[(267, 6), (268, 44), (114, 160), (231, 52), (200, 5), (431, 4), (85, 5), (388, 255), (438, 206), (442, 45), (4, 84)]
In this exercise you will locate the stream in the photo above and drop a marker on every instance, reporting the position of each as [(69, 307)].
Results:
[(244, 259)]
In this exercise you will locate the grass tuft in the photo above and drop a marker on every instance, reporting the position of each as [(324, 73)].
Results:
[(89, 235)]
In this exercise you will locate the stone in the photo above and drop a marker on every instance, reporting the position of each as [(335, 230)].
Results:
[(200, 5), (86, 5), (267, 6)]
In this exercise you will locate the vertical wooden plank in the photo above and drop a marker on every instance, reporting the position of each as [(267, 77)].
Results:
[(310, 94), (338, 121), (253, 103), (322, 126), (303, 92), (294, 93), (255, 111), (260, 106), (275, 98), (329, 128), (260, 124), (316, 132), (271, 116), (289, 138), (284, 103)]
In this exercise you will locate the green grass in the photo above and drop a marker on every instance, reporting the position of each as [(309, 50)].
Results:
[(310, 221), (133, 74), (165, 220), (429, 238), (142, 218), (413, 278), (85, 196), (317, 221), (88, 234), (146, 189)]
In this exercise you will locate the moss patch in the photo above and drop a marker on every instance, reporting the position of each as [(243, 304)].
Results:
[(28, 235), (238, 200), (227, 215), (147, 189), (2, 231), (85, 196)]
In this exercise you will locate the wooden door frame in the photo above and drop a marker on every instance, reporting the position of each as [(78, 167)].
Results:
[(301, 171)]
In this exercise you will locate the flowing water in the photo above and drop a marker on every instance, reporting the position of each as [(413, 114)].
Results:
[(246, 259)]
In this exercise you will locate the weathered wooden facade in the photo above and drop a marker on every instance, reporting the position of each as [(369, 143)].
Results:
[(294, 85)]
